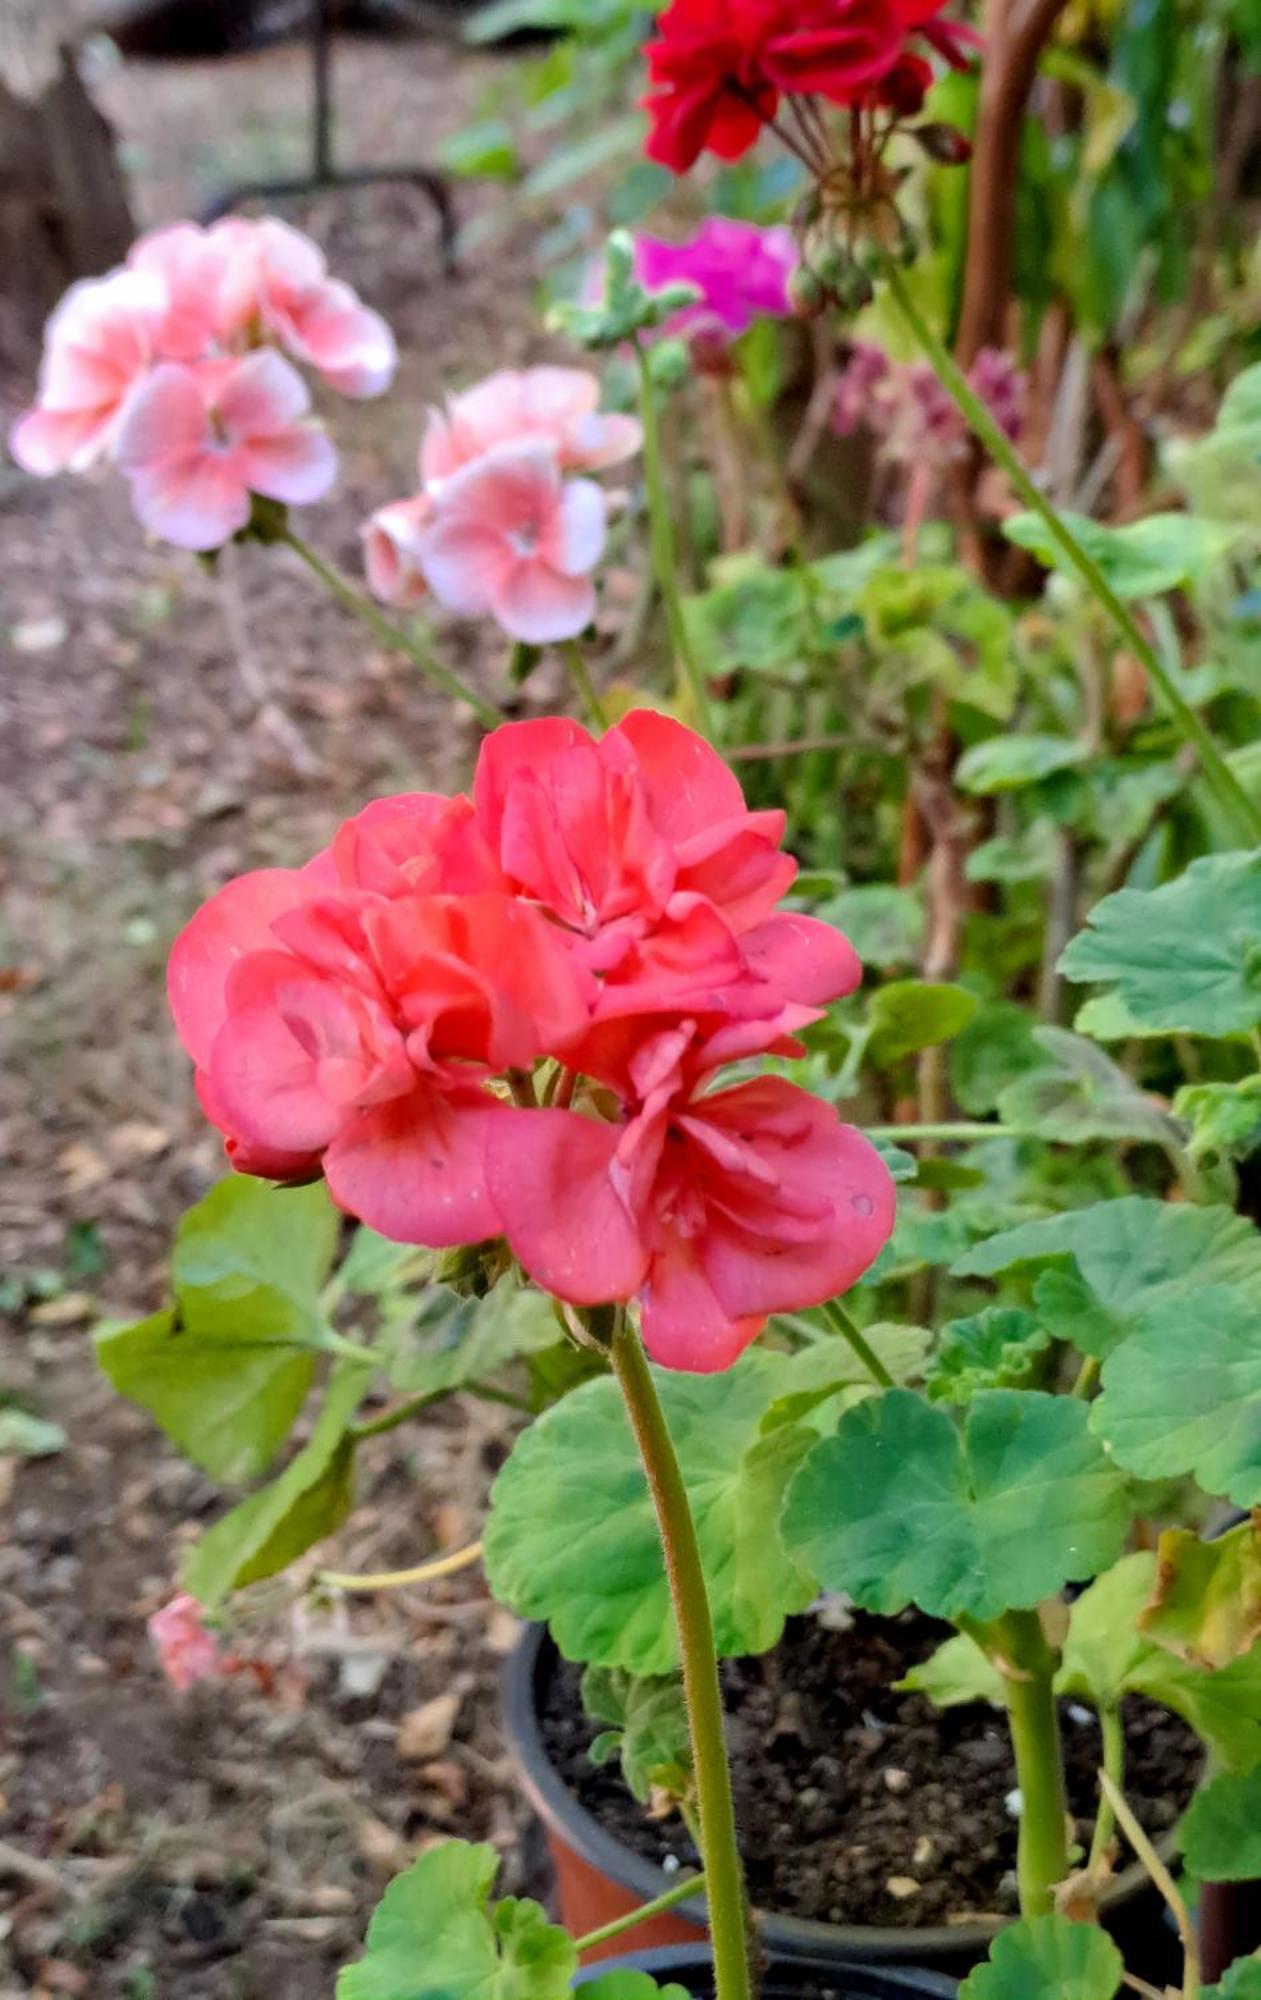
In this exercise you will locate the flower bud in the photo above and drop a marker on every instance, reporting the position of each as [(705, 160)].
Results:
[(944, 143)]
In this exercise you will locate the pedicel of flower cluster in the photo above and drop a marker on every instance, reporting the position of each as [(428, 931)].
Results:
[(723, 71), (502, 1016), (911, 416), (498, 528), (178, 369)]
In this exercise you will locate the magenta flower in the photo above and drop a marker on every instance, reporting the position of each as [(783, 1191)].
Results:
[(740, 271)]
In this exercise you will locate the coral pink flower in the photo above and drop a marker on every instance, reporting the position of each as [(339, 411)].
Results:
[(98, 345), (187, 1650), (713, 1210), (550, 406), (196, 443), (352, 1031), (389, 551), (740, 271), (509, 537)]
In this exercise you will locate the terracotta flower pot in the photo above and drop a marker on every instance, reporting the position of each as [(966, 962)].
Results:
[(599, 1877)]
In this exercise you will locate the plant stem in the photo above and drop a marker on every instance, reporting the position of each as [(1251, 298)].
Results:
[(1230, 794), (681, 1892), (390, 635), (840, 1322), (1028, 1667), (958, 1134), (1114, 1764), (573, 657), (661, 535), (720, 1855), (394, 1579), (1087, 1376), (1163, 1880)]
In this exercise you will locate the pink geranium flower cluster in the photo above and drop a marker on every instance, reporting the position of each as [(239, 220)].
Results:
[(501, 1016), (179, 368), (740, 271), (498, 527), (913, 419)]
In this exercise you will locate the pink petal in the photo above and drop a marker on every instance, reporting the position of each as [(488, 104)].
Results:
[(196, 503), (514, 748), (44, 442), (575, 540), (595, 442), (165, 421), (264, 1162), (389, 551), (538, 605), (415, 1170), (235, 921), (689, 787), (263, 396), (462, 559), (807, 960), (549, 1177), (684, 1326), (297, 466), (350, 345)]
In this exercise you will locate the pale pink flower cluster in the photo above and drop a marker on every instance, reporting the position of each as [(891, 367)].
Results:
[(174, 368), (188, 1651), (911, 416), (499, 527)]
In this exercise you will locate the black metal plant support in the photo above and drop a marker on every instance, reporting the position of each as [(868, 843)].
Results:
[(325, 173)]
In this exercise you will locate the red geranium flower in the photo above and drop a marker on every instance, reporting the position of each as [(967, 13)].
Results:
[(708, 86), (836, 49)]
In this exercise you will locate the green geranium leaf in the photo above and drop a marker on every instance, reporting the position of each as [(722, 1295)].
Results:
[(1220, 1831), (1185, 958), (227, 1369), (572, 1536), (642, 1986), (439, 1340), (885, 925), (995, 1349), (311, 1497), (959, 1672), (1107, 1655), (436, 1935), (1143, 559), (1225, 1118), (1183, 1394), (902, 1505), (907, 1015), (374, 1267), (1009, 763), (1080, 1093), (1126, 1257), (646, 1728), (1206, 1607), (1047, 1958), (821, 1380), (1242, 1981), (995, 1048)]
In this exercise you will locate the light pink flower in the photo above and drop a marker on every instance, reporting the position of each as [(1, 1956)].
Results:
[(740, 271), (98, 345), (187, 1650), (193, 266), (509, 537), (390, 562), (552, 406), (281, 275), (196, 443)]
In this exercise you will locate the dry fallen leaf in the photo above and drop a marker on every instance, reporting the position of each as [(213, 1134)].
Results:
[(425, 1732)]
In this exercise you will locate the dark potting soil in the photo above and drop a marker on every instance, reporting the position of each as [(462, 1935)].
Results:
[(859, 1805)]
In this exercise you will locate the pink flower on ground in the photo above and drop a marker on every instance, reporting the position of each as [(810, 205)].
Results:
[(509, 537), (545, 405), (390, 561), (196, 443), (187, 1650), (98, 345), (740, 271), (713, 1210)]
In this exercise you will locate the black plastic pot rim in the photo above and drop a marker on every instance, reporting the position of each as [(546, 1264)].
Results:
[(785, 1937), (853, 1979)]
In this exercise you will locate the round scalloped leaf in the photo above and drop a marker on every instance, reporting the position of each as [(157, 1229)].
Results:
[(904, 1505), (572, 1534), (1220, 1831), (1183, 1394), (1047, 1958)]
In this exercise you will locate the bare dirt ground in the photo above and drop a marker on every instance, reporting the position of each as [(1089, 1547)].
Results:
[(229, 1843)]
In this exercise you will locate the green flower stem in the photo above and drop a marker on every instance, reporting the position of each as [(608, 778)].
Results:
[(661, 535), (572, 654), (1243, 813), (840, 1322), (1027, 1662), (720, 1855), (682, 1892), (390, 635), (1114, 1764), (960, 1134)]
